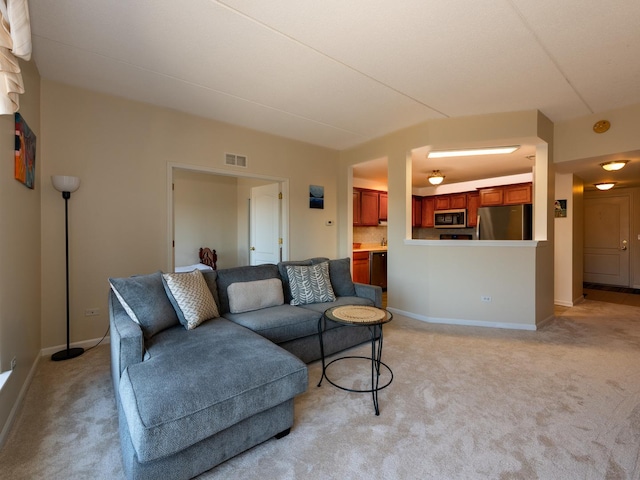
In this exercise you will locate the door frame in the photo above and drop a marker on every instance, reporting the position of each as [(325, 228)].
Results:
[(284, 185)]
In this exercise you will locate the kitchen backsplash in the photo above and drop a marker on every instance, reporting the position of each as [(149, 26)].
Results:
[(369, 235)]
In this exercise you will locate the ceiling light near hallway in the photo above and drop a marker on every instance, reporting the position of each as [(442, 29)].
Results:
[(472, 152), (615, 165), (604, 186), (436, 178)]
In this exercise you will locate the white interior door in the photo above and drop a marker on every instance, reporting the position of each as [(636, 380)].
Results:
[(606, 240), (265, 224)]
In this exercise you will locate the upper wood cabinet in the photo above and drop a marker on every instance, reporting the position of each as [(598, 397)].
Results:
[(491, 197), (517, 194), (473, 202), (428, 207), (441, 202), (356, 207), (458, 200), (369, 207), (382, 206), (416, 211), (506, 195)]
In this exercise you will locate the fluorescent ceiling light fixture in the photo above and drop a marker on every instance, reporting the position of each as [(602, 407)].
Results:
[(472, 152), (436, 178), (604, 186), (615, 165)]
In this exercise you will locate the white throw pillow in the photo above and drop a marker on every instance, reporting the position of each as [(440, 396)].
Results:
[(310, 284), (248, 296), (190, 297)]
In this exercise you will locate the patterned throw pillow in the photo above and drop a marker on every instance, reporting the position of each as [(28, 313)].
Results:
[(310, 284), (191, 298)]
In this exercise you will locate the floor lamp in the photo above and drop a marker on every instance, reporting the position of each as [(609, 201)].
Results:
[(66, 185)]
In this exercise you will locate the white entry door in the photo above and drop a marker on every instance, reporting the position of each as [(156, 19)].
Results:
[(265, 224), (606, 240)]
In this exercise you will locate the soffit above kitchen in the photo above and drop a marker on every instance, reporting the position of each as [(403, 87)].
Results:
[(337, 74)]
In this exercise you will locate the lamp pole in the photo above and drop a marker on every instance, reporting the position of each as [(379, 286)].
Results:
[(68, 353)]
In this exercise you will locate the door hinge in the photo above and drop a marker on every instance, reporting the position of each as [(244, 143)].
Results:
[(280, 241), (280, 196)]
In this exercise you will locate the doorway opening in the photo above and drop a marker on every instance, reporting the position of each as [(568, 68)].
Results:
[(209, 207)]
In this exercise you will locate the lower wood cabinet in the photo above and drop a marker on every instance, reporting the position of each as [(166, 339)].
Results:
[(361, 267)]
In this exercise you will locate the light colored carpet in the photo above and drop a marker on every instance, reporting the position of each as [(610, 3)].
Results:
[(465, 403)]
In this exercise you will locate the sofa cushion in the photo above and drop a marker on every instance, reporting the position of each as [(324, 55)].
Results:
[(280, 323), (228, 276), (310, 284), (145, 301), (224, 373), (340, 274), (191, 297), (248, 296)]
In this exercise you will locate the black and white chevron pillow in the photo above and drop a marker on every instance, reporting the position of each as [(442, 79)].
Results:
[(310, 284)]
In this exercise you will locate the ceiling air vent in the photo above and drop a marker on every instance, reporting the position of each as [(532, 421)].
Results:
[(235, 160)]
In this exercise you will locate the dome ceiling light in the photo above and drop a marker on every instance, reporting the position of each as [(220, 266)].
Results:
[(604, 186), (436, 178), (614, 165)]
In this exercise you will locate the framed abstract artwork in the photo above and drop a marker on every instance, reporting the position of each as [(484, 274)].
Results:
[(316, 196), (25, 153)]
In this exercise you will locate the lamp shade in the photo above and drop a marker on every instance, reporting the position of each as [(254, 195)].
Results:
[(64, 183)]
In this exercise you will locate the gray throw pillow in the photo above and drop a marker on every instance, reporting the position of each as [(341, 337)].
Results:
[(145, 301), (340, 274), (310, 284)]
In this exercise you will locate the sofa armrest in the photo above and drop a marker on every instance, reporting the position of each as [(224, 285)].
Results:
[(372, 292), (127, 341)]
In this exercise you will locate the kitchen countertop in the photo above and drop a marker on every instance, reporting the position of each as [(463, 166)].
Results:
[(370, 248)]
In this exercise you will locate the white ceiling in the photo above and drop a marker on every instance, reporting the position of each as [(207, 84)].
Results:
[(337, 73)]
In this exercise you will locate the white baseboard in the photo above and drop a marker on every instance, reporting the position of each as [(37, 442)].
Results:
[(463, 322), (564, 303), (45, 352), (18, 403)]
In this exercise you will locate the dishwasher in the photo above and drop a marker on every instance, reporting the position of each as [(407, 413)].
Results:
[(378, 269)]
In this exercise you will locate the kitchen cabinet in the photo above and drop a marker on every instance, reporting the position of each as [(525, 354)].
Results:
[(361, 267), (356, 207), (365, 207), (441, 202), (428, 207), (473, 202), (416, 211), (382, 206), (458, 200), (517, 194), (491, 197)]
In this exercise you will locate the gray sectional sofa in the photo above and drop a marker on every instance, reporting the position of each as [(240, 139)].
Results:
[(206, 365)]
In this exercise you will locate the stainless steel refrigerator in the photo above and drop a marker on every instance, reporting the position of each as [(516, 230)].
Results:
[(509, 222)]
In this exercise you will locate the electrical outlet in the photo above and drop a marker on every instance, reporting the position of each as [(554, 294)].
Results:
[(91, 312), (485, 298), (14, 362)]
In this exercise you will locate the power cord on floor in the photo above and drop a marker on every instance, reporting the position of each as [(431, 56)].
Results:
[(103, 337)]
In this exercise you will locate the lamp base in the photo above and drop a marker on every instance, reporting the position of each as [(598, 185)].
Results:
[(67, 354)]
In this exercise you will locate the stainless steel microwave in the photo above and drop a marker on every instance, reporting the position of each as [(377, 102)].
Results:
[(450, 218)]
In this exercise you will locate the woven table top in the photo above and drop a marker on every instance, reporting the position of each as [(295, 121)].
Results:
[(359, 314)]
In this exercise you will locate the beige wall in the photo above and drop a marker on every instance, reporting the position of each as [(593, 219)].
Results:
[(118, 218), (19, 254), (438, 282)]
